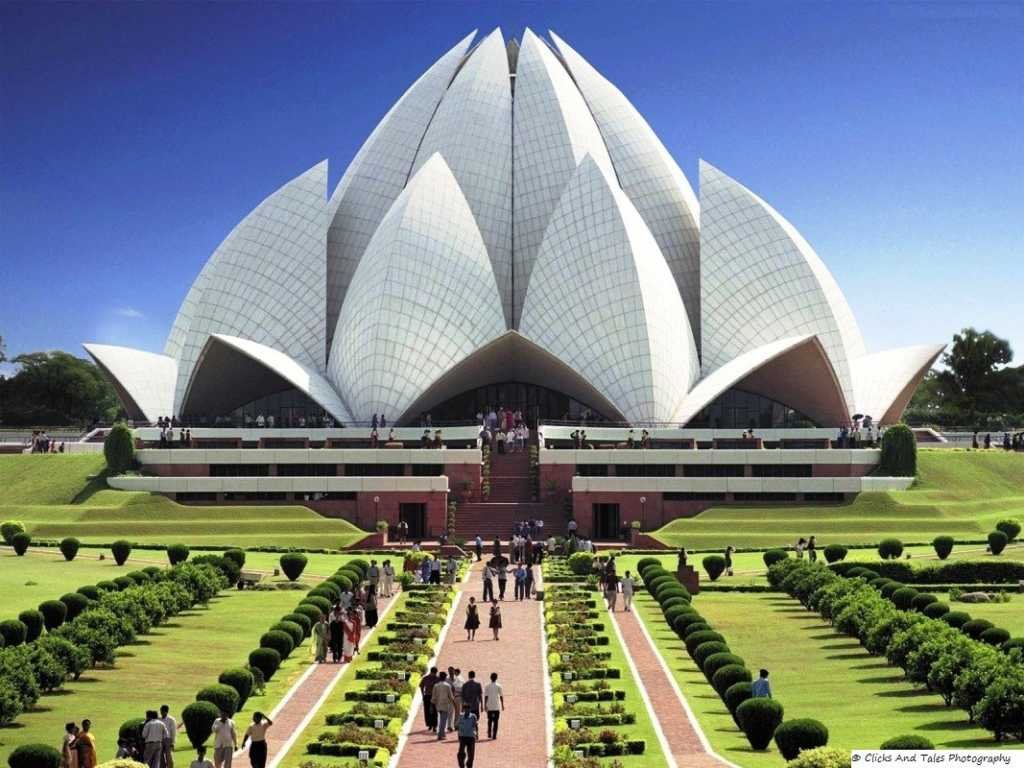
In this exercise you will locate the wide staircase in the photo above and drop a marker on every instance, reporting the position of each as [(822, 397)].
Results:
[(510, 501)]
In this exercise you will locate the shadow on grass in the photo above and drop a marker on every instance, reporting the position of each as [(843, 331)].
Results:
[(904, 693), (845, 656), (883, 680), (874, 665), (933, 707), (843, 646)]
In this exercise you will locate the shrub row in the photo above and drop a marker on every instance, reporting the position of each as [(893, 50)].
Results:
[(958, 572), (941, 653)]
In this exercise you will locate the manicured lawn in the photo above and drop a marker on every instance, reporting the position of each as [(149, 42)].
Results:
[(54, 497), (1009, 616), (167, 666), (958, 493), (815, 672)]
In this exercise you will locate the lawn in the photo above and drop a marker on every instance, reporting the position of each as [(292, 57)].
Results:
[(1009, 616), (815, 672), (64, 495), (958, 493), (167, 666)]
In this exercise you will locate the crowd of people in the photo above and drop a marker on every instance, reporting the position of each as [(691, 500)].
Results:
[(1011, 441), (42, 443), (454, 703), (167, 439), (339, 632)]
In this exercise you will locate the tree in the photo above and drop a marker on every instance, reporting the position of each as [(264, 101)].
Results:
[(55, 388), (119, 449), (972, 363)]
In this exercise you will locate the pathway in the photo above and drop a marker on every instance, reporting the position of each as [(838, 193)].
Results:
[(292, 714), (519, 660), (682, 736)]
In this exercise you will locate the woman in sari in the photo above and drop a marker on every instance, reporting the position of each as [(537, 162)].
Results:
[(85, 745), (353, 628), (321, 630), (336, 633), (371, 608), (69, 755)]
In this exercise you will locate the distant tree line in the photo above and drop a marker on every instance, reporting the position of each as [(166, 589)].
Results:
[(54, 389), (977, 387)]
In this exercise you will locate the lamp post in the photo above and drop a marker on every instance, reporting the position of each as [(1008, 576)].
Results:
[(376, 509), (643, 511)]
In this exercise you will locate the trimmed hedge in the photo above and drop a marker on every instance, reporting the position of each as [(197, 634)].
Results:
[(34, 756), (75, 603), (279, 641), (34, 622), (899, 452), (241, 680), (121, 550), (266, 660), (69, 548), (20, 542), (293, 564), (943, 546), (706, 649), (714, 566), (177, 553), (794, 736), (890, 549), (728, 676), (773, 556), (697, 638), (997, 541), (907, 742), (54, 613), (834, 553), (198, 718), (759, 718), (224, 697), (989, 571), (13, 632), (1010, 527)]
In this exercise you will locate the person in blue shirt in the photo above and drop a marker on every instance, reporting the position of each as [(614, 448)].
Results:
[(760, 689)]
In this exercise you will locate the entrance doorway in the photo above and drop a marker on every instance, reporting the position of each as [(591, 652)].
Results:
[(415, 516), (606, 522)]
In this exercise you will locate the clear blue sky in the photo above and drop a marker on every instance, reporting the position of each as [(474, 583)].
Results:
[(134, 136)]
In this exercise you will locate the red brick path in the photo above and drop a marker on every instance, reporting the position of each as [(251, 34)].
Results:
[(290, 714), (671, 718), (517, 658)]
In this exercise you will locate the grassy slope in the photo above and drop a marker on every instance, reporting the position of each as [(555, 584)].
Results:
[(960, 493), (55, 497), (167, 666)]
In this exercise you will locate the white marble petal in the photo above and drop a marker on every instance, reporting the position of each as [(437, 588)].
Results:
[(648, 175), (423, 298), (885, 381), (761, 281), (144, 380), (378, 173), (603, 301), (553, 130)]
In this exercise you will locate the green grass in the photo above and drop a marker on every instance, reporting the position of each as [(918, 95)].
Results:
[(958, 493), (815, 672), (63, 495), (1009, 616), (167, 666)]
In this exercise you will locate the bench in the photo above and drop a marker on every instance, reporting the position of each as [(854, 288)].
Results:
[(249, 579)]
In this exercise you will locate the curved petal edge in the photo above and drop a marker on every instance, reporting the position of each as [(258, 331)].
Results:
[(885, 381), (144, 381)]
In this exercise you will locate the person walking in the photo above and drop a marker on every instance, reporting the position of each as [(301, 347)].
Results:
[(387, 575), (728, 560), (627, 591), (760, 689), (154, 733), (494, 704), (455, 679), (335, 629), (812, 550), (321, 631), (225, 740), (502, 579), (488, 583), (472, 694), (435, 570), (371, 609), (373, 574), (472, 619), (69, 757), (172, 735), (467, 730), (495, 620), (443, 699), (427, 683), (611, 590), (520, 577), (85, 745), (257, 734)]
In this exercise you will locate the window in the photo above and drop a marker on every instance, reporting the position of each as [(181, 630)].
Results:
[(645, 470), (307, 470), (694, 496), (592, 470), (427, 470), (239, 470), (194, 496), (780, 470), (374, 470), (712, 470), (769, 497)]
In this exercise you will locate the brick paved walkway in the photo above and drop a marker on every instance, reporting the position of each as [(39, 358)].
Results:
[(293, 713), (517, 658), (670, 716)]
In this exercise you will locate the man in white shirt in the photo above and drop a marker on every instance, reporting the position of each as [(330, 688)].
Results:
[(172, 733), (225, 741), (627, 590), (494, 703), (153, 735)]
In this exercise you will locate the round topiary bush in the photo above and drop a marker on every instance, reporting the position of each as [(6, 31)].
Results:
[(34, 622), (580, 563), (54, 613), (684, 621), (890, 549), (293, 564), (34, 756), (667, 592), (907, 742), (923, 600), (975, 627), (822, 757), (735, 695), (75, 603), (123, 583), (304, 622), (660, 581), (198, 718), (726, 677), (21, 541), (773, 556), (956, 619), (903, 598), (711, 647), (9, 528), (91, 591), (309, 611), (943, 545), (1010, 527), (121, 550), (716, 661), (676, 601), (320, 603), (899, 452), (131, 731), (860, 572), (223, 697), (241, 680), (279, 641), (759, 718), (177, 553), (266, 660), (794, 736), (833, 554), (13, 632), (140, 577), (702, 637), (880, 582), (675, 612), (291, 629), (994, 636), (344, 582), (714, 566), (119, 449), (997, 541), (935, 610), (236, 555), (700, 626), (1014, 642), (889, 588), (69, 548)]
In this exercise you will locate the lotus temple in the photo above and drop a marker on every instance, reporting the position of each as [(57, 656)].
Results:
[(513, 233)]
